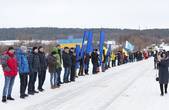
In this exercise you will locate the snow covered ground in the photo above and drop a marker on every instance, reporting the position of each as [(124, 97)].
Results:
[(127, 87), (12, 42)]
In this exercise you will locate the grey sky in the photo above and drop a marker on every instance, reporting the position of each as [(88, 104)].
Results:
[(85, 13)]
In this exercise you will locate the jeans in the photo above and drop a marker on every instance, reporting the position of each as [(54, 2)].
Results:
[(53, 79), (67, 72), (9, 81), (59, 73)]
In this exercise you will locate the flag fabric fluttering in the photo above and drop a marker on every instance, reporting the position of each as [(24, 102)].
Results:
[(102, 35), (128, 46), (77, 50), (109, 50), (125, 52), (89, 47), (83, 44)]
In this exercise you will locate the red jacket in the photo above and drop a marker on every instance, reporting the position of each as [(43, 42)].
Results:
[(9, 64), (145, 55)]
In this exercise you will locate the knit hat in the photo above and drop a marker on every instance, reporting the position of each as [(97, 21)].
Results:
[(10, 48), (40, 47), (34, 48)]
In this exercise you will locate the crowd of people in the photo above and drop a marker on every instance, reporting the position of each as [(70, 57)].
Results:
[(33, 64), (161, 63)]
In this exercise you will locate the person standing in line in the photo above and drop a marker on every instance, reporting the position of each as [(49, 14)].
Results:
[(95, 58), (22, 58), (34, 66), (51, 60), (81, 69), (86, 63), (163, 72), (9, 65), (66, 64), (113, 58), (43, 67), (73, 66), (57, 50), (58, 67)]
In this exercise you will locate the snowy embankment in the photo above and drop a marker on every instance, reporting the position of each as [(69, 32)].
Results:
[(12, 42), (127, 87)]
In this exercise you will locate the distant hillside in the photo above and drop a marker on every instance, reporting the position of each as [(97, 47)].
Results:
[(57, 33)]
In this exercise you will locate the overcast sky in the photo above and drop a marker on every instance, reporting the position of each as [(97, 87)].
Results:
[(85, 13)]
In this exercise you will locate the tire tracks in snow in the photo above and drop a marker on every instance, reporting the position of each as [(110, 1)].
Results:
[(77, 90), (104, 107)]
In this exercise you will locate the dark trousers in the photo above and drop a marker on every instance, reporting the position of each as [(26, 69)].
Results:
[(94, 68), (86, 69), (41, 78), (23, 83), (162, 86), (81, 70), (119, 62), (73, 73), (113, 63), (155, 65), (32, 80)]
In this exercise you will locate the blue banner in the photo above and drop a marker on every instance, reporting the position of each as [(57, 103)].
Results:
[(109, 50), (128, 46), (89, 47), (77, 50), (102, 35), (83, 45)]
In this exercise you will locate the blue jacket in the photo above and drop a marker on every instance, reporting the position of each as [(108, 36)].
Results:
[(22, 62)]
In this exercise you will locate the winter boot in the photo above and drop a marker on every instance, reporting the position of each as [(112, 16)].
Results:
[(4, 99)]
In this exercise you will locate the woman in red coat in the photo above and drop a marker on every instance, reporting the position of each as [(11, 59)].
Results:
[(9, 65)]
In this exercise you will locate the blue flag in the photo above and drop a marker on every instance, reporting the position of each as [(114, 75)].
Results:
[(83, 45), (102, 35), (89, 47), (128, 46), (77, 50), (109, 50)]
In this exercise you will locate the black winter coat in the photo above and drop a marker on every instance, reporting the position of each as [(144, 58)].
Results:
[(43, 61), (95, 58), (51, 63), (163, 71), (66, 60), (34, 62)]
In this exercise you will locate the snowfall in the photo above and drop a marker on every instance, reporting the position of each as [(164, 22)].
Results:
[(128, 87)]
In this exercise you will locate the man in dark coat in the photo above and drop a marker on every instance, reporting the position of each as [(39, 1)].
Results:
[(163, 72), (66, 64), (95, 59), (86, 62), (73, 66), (52, 62), (43, 67), (119, 58), (34, 66)]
